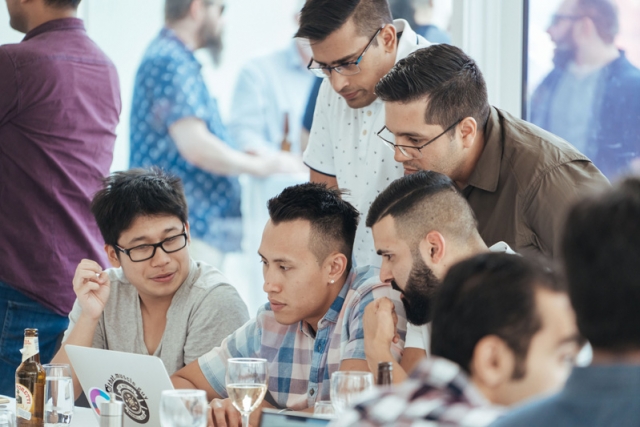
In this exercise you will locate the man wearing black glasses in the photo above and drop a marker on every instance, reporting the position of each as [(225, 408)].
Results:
[(354, 44), (156, 299), (518, 178)]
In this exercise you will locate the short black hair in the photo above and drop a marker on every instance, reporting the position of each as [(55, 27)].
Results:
[(447, 77), (604, 15), (175, 10), (424, 201), (63, 4), (137, 192), (601, 253), (489, 294), (320, 18), (333, 220)]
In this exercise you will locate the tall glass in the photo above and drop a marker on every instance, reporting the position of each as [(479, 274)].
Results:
[(246, 385), (58, 395), (346, 386), (183, 408)]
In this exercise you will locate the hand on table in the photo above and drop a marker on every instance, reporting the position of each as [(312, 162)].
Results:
[(222, 413), (92, 287)]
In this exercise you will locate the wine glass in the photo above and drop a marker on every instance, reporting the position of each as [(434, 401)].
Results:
[(324, 409), (346, 386), (58, 395), (246, 384), (183, 408)]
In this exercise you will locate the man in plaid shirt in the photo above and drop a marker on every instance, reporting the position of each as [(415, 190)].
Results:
[(312, 325), (503, 331)]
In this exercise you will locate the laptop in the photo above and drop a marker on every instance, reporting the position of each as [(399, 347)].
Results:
[(274, 418), (138, 380)]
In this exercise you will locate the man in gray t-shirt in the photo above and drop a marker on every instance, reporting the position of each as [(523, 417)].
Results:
[(155, 300)]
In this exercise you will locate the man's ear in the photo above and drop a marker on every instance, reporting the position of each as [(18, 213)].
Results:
[(389, 38), (187, 229), (493, 363), (468, 129), (113, 256), (433, 248), (335, 265)]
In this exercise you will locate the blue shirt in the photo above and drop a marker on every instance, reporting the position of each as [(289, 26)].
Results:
[(268, 88), (169, 87), (598, 395)]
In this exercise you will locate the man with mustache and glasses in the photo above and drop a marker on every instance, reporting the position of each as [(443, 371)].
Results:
[(421, 226)]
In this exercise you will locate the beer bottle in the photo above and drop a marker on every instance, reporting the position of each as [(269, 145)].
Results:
[(30, 380), (285, 145), (385, 373)]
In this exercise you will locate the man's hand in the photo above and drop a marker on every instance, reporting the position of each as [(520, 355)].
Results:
[(222, 413), (379, 325), (92, 288)]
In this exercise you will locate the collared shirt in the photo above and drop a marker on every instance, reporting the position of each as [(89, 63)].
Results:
[(267, 89), (438, 393), (300, 362), (597, 395), (343, 143), (169, 87), (59, 108), (525, 180)]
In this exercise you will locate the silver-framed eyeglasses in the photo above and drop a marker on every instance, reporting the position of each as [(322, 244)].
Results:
[(411, 151), (346, 69), (144, 252)]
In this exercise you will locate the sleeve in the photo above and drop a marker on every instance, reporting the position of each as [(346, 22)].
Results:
[(319, 154), (248, 122), (547, 202), (415, 337), (219, 314), (354, 348), (98, 336), (9, 93), (245, 342), (307, 120)]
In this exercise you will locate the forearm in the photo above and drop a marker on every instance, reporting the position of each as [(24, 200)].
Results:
[(220, 159), (375, 355)]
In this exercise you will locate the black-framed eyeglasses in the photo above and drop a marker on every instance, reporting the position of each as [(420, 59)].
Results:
[(346, 69), (556, 18), (144, 252), (410, 151)]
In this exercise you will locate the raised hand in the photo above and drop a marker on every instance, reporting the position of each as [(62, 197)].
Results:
[(92, 288)]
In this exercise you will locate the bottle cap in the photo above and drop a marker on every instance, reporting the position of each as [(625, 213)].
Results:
[(112, 408)]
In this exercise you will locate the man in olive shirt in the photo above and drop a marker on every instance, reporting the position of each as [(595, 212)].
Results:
[(518, 178)]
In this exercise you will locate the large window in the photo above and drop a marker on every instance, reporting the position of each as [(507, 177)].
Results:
[(582, 77)]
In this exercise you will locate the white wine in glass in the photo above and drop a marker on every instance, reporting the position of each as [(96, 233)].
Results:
[(246, 385)]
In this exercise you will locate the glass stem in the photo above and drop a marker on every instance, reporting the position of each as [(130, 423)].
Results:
[(245, 419)]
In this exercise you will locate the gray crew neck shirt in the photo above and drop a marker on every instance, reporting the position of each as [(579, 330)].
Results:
[(204, 311)]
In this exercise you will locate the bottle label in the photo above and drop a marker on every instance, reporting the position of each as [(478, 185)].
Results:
[(31, 347), (24, 402)]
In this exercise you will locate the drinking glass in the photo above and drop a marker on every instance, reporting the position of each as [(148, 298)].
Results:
[(183, 408), (58, 395), (7, 419), (246, 384), (346, 386), (324, 409)]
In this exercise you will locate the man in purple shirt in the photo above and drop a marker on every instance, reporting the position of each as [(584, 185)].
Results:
[(59, 107)]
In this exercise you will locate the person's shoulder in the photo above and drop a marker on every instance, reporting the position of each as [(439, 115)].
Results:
[(207, 277), (542, 413)]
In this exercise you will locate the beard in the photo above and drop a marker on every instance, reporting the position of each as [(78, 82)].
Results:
[(212, 42), (565, 51), (418, 293)]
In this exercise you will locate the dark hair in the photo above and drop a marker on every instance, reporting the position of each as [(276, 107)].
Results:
[(63, 4), (601, 253), (175, 10), (489, 294), (333, 220), (422, 202), (604, 15), (320, 18), (445, 75), (133, 193)]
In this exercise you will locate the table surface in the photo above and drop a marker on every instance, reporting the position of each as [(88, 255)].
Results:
[(82, 417)]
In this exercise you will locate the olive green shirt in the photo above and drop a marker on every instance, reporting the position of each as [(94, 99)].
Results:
[(524, 183)]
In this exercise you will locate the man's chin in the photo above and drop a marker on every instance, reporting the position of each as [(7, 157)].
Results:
[(410, 171), (360, 101)]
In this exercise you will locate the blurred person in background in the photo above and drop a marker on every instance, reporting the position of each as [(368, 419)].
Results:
[(175, 124), (59, 108), (590, 97), (601, 257), (419, 15)]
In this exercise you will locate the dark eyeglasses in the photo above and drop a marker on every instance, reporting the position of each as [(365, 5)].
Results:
[(410, 151), (144, 252), (555, 19), (346, 69)]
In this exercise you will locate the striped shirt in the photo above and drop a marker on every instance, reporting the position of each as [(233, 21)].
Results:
[(300, 362)]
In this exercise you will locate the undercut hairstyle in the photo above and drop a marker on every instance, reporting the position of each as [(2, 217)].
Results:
[(446, 77), (175, 10), (490, 294), (62, 4), (320, 18), (128, 195), (601, 253), (422, 202), (333, 220), (604, 15)]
